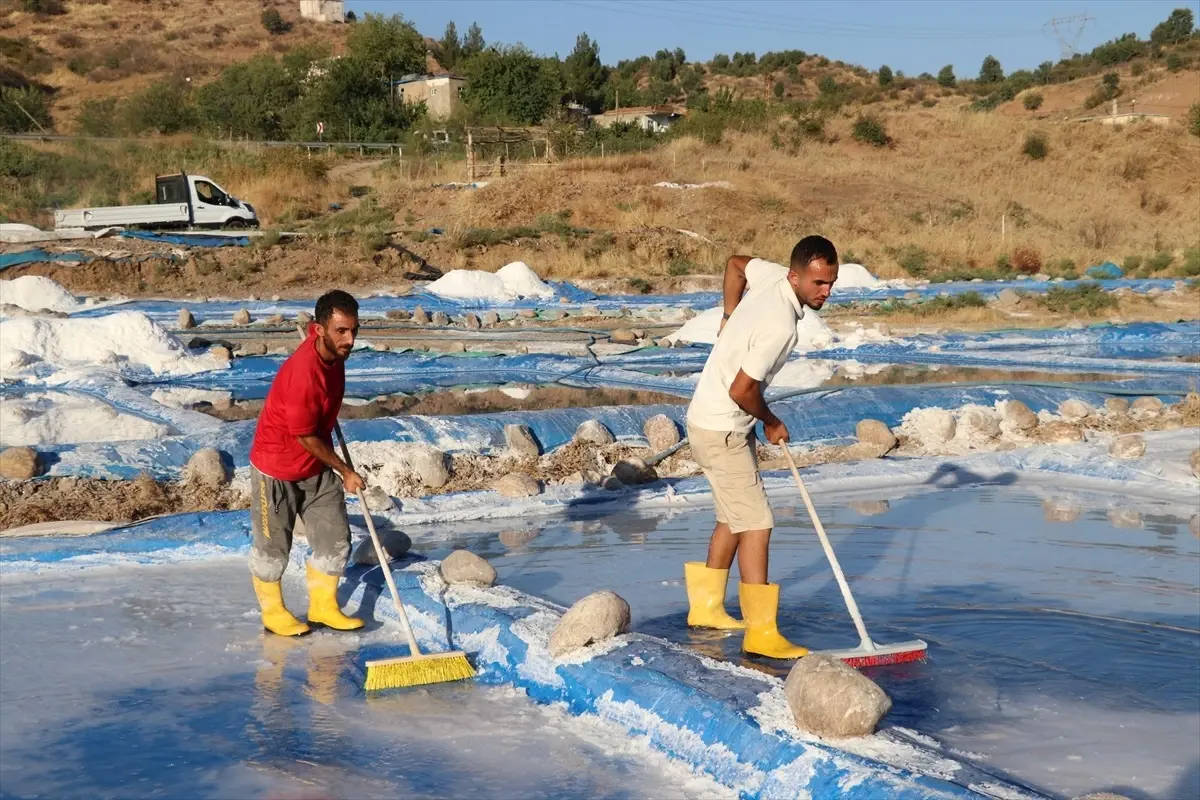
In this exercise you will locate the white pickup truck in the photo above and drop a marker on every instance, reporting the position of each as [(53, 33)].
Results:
[(180, 201)]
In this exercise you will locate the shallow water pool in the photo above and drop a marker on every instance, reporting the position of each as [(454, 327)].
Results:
[(1064, 627), (148, 682)]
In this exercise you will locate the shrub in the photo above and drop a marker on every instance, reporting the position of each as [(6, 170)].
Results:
[(777, 90), (1191, 261), (1027, 260), (639, 285), (1174, 62), (1132, 263), (886, 78), (913, 260), (274, 22), (18, 105), (1193, 119), (1035, 146), (1003, 263), (1065, 268), (1159, 262), (43, 6), (1032, 101), (98, 117), (870, 130), (1137, 70), (1087, 298)]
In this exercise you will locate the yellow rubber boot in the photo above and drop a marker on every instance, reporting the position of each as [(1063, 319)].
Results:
[(323, 606), (275, 616), (706, 597), (760, 605)]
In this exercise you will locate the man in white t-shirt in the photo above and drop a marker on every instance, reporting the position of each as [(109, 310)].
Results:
[(758, 332)]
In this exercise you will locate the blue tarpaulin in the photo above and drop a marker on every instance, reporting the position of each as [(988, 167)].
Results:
[(38, 255), (189, 239)]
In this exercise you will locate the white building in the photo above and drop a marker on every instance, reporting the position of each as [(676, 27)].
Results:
[(323, 10)]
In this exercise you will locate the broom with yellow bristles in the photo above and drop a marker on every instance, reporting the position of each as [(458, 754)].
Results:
[(416, 668)]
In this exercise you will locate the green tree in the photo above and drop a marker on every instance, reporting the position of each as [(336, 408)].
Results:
[(584, 75), (1044, 72), (351, 16), (946, 77), (17, 105), (250, 99), (512, 85), (451, 48), (389, 45), (1032, 101), (777, 90), (991, 71), (691, 79), (353, 102), (1112, 84), (472, 43), (274, 23), (1175, 28), (886, 78), (162, 107)]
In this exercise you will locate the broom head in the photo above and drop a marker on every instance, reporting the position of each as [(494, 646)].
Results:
[(879, 655), (418, 670)]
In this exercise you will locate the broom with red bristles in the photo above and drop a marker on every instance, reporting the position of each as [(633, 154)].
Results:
[(868, 653)]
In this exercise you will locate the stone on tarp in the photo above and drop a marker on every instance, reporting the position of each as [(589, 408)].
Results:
[(463, 566), (596, 618), (830, 698)]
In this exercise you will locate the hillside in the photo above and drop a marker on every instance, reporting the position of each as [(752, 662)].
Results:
[(112, 48)]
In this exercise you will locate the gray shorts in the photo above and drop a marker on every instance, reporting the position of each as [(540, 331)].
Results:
[(275, 505)]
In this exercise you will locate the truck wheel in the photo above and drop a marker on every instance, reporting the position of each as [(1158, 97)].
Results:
[(236, 224)]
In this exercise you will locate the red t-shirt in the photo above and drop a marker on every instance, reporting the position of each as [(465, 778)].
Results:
[(304, 400)]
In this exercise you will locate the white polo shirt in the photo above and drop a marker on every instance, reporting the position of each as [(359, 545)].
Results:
[(757, 339)]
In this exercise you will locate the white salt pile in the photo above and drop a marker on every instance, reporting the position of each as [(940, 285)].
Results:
[(43, 418), (124, 339), (707, 185), (35, 293), (811, 331), (856, 276), (511, 282)]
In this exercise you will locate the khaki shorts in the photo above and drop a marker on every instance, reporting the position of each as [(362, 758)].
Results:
[(730, 462)]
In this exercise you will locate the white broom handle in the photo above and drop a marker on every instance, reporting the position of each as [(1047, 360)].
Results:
[(851, 606), (384, 564)]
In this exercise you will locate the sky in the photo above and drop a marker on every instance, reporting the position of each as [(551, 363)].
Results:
[(914, 35)]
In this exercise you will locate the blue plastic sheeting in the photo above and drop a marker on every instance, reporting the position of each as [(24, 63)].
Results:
[(189, 239), (206, 533), (885, 354), (126, 400), (822, 416), (37, 256), (1107, 271), (688, 708)]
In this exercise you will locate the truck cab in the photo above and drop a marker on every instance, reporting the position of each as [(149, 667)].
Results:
[(210, 205)]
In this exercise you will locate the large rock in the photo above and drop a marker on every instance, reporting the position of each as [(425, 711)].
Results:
[(830, 698), (1074, 409), (395, 545), (1194, 461), (527, 313), (463, 566), (661, 432), (1008, 298), (1128, 447), (873, 431), (596, 618), (221, 351), (19, 464), (206, 468), (1116, 405), (253, 349), (303, 320), (378, 500), (1147, 406), (633, 471), (1059, 432), (979, 423), (428, 464), (242, 317), (186, 321), (517, 484), (1019, 417), (440, 319), (622, 336), (594, 432), (398, 314), (521, 441), (472, 322), (420, 316), (490, 319)]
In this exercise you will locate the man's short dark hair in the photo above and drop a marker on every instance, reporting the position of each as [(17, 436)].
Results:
[(337, 300), (813, 247)]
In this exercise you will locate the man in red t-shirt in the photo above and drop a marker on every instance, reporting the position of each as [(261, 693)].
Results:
[(296, 473)]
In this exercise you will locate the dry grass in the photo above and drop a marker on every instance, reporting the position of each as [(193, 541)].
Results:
[(947, 188)]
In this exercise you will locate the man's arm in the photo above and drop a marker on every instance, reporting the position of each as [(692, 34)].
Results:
[(734, 285), (747, 393), (319, 449)]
